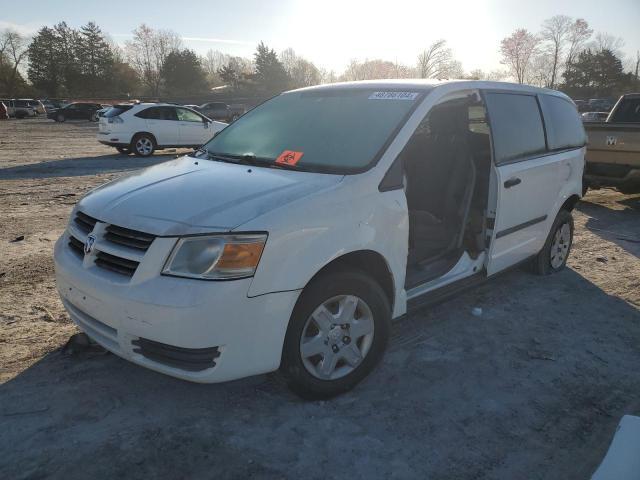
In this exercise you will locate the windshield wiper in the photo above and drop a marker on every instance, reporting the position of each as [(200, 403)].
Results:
[(248, 159)]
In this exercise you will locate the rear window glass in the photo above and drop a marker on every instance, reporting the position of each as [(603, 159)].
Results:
[(516, 126), (628, 111), (564, 127), (117, 110)]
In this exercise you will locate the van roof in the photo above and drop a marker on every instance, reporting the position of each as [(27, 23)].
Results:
[(427, 85)]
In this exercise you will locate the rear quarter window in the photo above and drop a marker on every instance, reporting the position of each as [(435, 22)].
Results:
[(563, 123), (117, 110), (516, 126)]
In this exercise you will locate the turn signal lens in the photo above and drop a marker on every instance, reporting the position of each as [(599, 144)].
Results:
[(240, 256)]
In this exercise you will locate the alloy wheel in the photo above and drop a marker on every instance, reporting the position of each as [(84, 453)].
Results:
[(144, 146), (337, 337), (560, 245)]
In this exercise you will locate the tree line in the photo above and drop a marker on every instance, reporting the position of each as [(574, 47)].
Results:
[(61, 61)]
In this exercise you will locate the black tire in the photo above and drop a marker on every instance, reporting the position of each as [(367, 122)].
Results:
[(94, 117), (124, 150), (543, 264), (143, 145), (60, 118), (327, 286)]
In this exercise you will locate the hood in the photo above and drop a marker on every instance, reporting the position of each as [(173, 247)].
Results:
[(189, 195)]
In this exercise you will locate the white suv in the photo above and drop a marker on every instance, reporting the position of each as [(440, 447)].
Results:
[(293, 237), (146, 127)]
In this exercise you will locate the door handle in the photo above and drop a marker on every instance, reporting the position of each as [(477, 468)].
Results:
[(512, 182)]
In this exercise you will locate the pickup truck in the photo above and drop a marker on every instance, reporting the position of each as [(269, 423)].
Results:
[(613, 149)]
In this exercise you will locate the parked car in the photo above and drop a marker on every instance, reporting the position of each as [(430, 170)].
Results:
[(18, 108), (600, 104), (36, 105), (613, 153), (76, 111), (4, 114), (221, 111), (50, 105), (146, 127), (295, 235), (594, 116)]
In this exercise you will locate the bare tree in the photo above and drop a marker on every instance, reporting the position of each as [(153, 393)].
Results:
[(302, 72), (518, 51), (13, 47), (579, 34), (606, 41), (437, 62), (212, 62), (555, 31), (147, 53)]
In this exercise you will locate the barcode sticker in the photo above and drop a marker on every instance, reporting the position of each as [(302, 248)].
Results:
[(393, 96)]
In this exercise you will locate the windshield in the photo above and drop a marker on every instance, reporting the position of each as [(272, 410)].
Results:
[(328, 130)]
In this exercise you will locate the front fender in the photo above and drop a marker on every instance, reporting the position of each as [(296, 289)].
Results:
[(306, 237)]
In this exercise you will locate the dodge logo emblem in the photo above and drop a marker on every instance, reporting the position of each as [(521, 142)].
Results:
[(88, 244)]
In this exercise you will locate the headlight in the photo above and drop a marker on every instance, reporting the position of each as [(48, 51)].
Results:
[(216, 257)]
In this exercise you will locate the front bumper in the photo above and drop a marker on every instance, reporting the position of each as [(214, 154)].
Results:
[(247, 333)]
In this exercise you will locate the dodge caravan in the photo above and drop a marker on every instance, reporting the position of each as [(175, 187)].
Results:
[(293, 237)]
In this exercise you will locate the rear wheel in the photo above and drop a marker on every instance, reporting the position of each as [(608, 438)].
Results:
[(143, 145), (337, 334), (553, 256)]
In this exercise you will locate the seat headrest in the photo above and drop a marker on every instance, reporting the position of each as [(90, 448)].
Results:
[(449, 120)]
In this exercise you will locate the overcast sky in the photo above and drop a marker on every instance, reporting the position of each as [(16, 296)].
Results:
[(332, 32)]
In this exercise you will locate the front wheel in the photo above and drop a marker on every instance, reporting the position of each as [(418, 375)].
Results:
[(94, 117), (553, 256), (337, 334), (143, 145)]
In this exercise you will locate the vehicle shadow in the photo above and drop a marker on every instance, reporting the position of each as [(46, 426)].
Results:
[(81, 166), (539, 379), (620, 226)]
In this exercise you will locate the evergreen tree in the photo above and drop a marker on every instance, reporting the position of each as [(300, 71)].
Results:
[(182, 73), (95, 59), (595, 74), (270, 74), (44, 71)]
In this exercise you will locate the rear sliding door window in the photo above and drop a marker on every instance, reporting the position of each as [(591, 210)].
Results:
[(516, 126), (564, 127)]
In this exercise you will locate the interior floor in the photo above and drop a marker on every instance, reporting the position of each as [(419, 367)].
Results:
[(446, 164)]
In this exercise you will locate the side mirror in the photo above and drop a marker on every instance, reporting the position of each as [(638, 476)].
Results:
[(206, 122)]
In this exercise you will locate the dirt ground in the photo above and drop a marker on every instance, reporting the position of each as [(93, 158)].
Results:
[(533, 388)]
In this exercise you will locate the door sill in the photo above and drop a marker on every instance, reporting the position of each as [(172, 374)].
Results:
[(433, 297)]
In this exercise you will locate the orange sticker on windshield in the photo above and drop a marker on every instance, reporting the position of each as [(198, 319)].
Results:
[(289, 157)]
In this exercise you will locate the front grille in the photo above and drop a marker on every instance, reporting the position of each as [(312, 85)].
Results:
[(123, 261), (85, 222), (116, 264), (76, 245), (190, 359), (128, 237)]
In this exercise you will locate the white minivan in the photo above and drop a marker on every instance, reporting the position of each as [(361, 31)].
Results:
[(294, 236)]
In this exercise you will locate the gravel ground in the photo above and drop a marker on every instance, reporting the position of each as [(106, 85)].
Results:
[(533, 388)]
